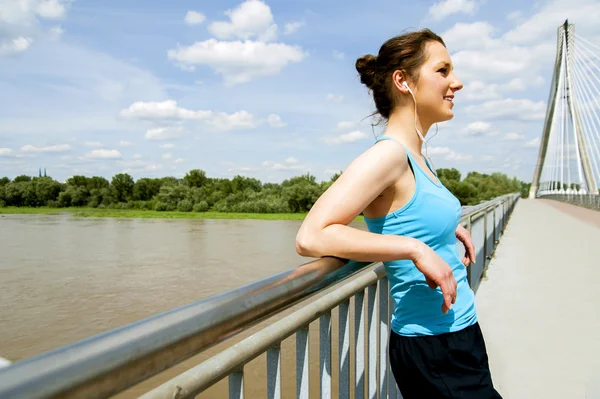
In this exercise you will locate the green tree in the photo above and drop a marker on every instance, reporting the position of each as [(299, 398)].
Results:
[(22, 178), (241, 183), (145, 189), (47, 190), (195, 178), (122, 187), (301, 196), (97, 183), (77, 181), (4, 181)]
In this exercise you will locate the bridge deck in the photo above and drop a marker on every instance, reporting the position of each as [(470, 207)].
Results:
[(539, 307)]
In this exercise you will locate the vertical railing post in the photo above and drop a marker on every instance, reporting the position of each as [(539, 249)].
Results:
[(236, 384), (392, 387), (325, 354), (274, 372), (302, 363), (383, 337), (485, 237), (344, 349), (359, 345), (372, 342)]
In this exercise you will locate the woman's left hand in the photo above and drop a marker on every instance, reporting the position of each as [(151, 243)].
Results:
[(465, 237)]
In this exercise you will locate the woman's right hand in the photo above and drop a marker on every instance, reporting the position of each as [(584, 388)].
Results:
[(437, 274)]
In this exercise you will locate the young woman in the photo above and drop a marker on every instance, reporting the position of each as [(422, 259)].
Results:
[(436, 347)]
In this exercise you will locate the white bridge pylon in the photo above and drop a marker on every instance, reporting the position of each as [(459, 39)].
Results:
[(569, 156)]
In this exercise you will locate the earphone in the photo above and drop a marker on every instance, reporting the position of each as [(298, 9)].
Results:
[(405, 84)]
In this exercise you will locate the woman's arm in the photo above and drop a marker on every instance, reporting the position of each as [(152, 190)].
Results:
[(325, 230)]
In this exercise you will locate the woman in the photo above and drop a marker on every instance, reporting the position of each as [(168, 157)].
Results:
[(436, 347)]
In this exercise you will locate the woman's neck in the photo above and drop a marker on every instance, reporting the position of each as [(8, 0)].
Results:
[(401, 126)]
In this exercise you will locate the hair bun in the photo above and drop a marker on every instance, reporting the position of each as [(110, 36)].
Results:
[(366, 66)]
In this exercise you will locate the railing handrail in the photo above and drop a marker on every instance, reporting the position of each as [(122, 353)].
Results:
[(111, 362)]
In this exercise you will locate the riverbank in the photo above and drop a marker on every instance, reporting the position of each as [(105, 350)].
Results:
[(138, 213)]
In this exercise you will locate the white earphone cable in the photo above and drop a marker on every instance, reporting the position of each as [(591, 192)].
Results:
[(421, 134)]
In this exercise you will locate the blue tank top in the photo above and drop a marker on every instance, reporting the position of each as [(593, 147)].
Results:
[(431, 216)]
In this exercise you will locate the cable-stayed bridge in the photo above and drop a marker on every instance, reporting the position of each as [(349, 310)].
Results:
[(569, 157), (536, 277)]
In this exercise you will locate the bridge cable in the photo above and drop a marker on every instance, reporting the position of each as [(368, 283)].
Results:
[(590, 117)]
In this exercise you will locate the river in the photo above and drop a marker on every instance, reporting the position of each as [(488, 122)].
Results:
[(66, 278)]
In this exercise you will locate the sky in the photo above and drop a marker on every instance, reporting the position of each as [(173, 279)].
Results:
[(264, 89)]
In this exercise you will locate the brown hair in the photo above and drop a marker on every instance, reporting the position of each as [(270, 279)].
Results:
[(406, 53)]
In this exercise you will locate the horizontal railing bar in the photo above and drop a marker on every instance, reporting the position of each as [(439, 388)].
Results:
[(108, 363), (198, 378)]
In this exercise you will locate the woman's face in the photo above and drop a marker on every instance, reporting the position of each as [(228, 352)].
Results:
[(436, 85)]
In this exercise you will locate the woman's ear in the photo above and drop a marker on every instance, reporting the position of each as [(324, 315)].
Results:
[(398, 78)]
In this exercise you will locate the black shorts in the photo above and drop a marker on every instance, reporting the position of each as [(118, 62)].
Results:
[(451, 365)]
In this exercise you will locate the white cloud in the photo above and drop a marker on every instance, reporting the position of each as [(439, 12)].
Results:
[(162, 110), (103, 154), (345, 125), (5, 152), (291, 160), (449, 155), (516, 84), (338, 55), (469, 35), (167, 146), (20, 22), (237, 120), (542, 26), (508, 108), (56, 32), (167, 155), (346, 137), (533, 143), (292, 27), (513, 136), (124, 143), (283, 166), (92, 144), (336, 98), (15, 45), (523, 51), (51, 148), (137, 156), (237, 61), (194, 17), (478, 90), (50, 9), (478, 128), (132, 164), (178, 161), (514, 16), (444, 8), (275, 121), (164, 133), (252, 18), (154, 167)]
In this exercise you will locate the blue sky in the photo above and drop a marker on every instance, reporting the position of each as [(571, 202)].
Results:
[(262, 89)]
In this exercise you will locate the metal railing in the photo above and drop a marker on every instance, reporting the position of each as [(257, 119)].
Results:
[(589, 201), (111, 362)]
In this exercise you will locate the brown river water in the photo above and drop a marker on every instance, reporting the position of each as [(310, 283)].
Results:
[(66, 278)]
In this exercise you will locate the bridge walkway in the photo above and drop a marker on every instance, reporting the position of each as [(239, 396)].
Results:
[(539, 306)]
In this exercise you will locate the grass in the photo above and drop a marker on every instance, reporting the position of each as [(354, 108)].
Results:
[(138, 213)]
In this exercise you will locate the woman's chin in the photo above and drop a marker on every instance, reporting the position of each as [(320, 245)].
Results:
[(446, 116)]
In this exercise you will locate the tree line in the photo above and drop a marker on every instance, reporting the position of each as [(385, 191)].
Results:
[(198, 193)]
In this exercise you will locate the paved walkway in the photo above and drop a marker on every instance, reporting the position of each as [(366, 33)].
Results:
[(539, 307)]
